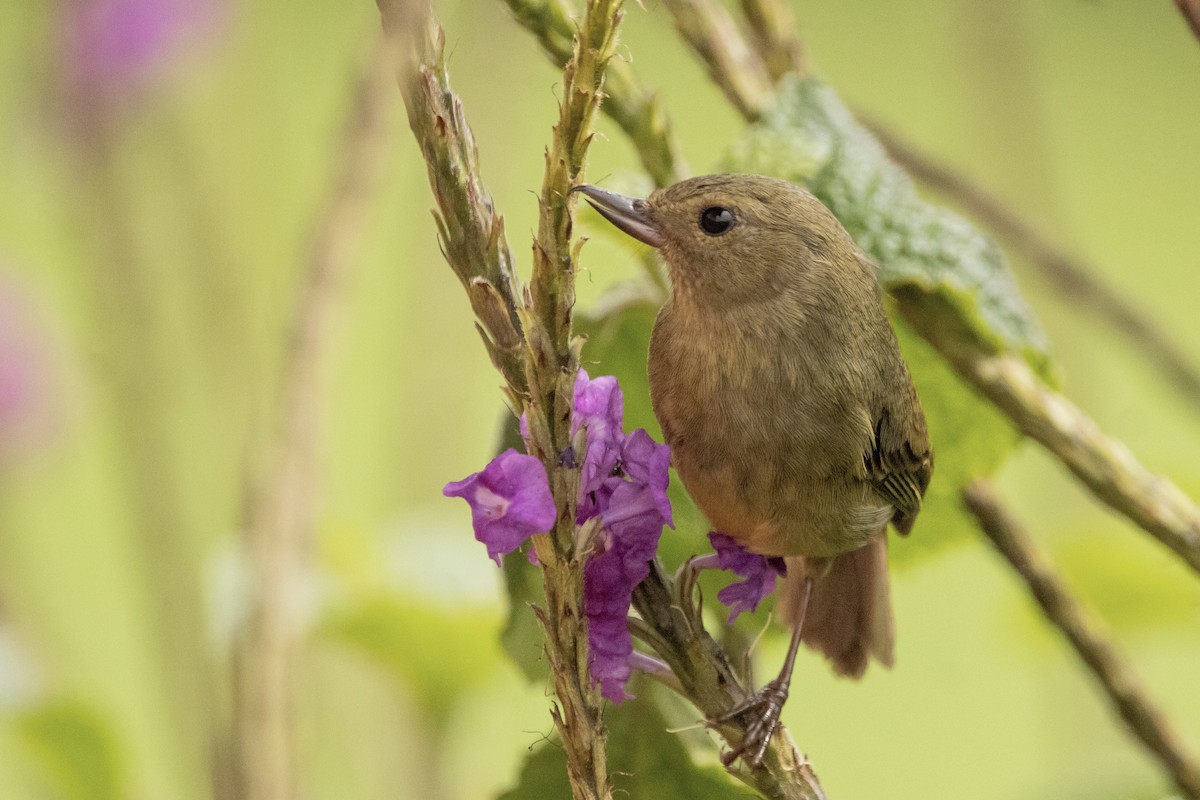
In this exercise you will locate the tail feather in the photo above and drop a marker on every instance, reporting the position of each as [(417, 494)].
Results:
[(849, 616)]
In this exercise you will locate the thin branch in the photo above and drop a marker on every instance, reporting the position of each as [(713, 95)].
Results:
[(736, 68), (636, 110), (1072, 277), (773, 29), (470, 231), (278, 509), (1087, 635), (1104, 465), (1191, 14), (671, 623)]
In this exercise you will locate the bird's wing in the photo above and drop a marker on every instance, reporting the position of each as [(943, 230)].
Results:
[(900, 463)]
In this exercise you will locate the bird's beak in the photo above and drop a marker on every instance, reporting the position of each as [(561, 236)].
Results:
[(627, 213)]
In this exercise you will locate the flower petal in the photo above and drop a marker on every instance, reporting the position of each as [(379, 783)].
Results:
[(599, 408), (108, 44), (510, 501), (647, 462), (608, 582), (633, 523), (759, 574)]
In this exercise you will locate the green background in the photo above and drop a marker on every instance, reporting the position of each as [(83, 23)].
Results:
[(1081, 115)]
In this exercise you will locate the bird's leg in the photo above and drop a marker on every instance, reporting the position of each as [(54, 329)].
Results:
[(768, 703)]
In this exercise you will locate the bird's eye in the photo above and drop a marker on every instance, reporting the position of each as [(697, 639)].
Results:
[(716, 220)]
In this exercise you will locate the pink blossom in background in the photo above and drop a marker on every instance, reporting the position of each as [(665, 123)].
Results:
[(30, 401), (112, 46)]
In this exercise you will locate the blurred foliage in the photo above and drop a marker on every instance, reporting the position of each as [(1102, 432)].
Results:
[(415, 641), (75, 749), (200, 202), (646, 760)]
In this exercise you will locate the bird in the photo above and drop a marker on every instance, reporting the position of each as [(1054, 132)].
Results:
[(791, 415)]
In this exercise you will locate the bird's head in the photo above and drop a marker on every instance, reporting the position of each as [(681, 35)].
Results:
[(737, 238)]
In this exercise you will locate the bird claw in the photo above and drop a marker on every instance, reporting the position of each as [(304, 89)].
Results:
[(766, 705)]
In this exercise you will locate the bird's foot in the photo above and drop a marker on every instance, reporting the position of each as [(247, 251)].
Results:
[(766, 706)]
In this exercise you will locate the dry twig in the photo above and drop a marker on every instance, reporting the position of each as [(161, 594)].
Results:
[(1102, 464), (1191, 14), (278, 511), (635, 110), (1086, 634)]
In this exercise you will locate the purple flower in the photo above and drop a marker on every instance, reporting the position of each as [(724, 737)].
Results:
[(598, 409), (633, 523), (759, 573), (647, 462), (623, 482), (633, 512), (510, 501)]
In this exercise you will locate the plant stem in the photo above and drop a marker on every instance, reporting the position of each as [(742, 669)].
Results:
[(1086, 634), (671, 623), (773, 28), (279, 514), (1190, 9), (552, 367), (470, 231), (635, 110), (531, 343), (733, 66), (1101, 463)]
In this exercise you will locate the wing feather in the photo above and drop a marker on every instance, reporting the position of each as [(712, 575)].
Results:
[(899, 465)]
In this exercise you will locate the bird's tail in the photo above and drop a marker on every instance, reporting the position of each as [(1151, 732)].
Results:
[(849, 616)]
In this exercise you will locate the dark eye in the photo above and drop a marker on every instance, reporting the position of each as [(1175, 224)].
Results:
[(716, 220)]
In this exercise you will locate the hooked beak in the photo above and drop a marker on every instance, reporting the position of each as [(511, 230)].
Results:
[(627, 213)]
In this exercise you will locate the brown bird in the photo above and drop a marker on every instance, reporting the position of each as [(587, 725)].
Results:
[(791, 416)]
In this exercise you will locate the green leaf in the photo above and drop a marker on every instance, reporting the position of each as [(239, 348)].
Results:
[(75, 748), (810, 138), (417, 641), (644, 759)]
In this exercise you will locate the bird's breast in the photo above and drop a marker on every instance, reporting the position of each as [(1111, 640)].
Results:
[(768, 445)]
